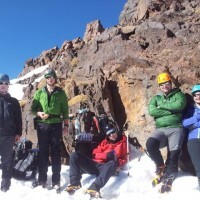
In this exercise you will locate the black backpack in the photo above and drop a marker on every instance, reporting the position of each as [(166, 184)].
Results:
[(25, 160), (86, 132), (84, 117)]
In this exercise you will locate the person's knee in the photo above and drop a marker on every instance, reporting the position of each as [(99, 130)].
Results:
[(75, 156), (152, 144), (113, 164)]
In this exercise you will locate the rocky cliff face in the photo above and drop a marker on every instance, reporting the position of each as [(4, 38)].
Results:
[(116, 67)]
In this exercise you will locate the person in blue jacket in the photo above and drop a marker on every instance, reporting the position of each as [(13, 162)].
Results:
[(191, 122)]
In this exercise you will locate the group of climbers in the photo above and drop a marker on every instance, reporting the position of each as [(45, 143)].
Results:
[(172, 117)]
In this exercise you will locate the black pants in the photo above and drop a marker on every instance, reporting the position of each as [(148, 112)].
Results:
[(6, 152), (49, 140), (79, 161), (171, 163), (194, 151)]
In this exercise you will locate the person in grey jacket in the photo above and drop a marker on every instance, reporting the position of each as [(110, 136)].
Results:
[(10, 130), (191, 122)]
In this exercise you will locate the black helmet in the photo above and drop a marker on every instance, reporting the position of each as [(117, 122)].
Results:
[(110, 129), (50, 73)]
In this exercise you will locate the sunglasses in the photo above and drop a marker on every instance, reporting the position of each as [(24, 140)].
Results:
[(165, 84), (48, 77), (111, 134), (196, 95), (3, 83)]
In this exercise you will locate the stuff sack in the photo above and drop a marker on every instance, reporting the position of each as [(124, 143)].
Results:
[(25, 160)]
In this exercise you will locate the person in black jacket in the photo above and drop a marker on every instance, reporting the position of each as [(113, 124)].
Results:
[(10, 130)]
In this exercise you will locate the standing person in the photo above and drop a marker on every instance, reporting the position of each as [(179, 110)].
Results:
[(167, 110), (110, 154), (51, 108), (10, 130), (191, 122)]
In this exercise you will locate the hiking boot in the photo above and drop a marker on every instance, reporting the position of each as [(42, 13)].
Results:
[(56, 187), (160, 174), (166, 186), (39, 183), (5, 185), (93, 193), (72, 188)]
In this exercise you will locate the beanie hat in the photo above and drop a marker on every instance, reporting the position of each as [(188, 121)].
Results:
[(4, 78)]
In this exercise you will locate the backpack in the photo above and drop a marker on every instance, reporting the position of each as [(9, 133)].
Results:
[(25, 160), (84, 121), (86, 132)]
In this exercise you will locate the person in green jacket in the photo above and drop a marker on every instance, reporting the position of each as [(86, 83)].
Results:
[(167, 111), (50, 105)]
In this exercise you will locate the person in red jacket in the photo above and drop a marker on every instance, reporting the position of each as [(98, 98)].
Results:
[(110, 154)]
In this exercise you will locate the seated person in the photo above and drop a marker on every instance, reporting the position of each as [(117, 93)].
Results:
[(110, 154)]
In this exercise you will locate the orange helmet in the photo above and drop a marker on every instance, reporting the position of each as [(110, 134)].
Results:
[(163, 77)]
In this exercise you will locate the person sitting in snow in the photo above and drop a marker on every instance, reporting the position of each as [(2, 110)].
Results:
[(110, 154), (191, 121), (167, 110)]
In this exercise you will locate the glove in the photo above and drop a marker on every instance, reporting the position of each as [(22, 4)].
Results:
[(111, 155), (84, 137)]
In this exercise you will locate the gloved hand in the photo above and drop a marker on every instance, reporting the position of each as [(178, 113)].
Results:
[(84, 137), (111, 155)]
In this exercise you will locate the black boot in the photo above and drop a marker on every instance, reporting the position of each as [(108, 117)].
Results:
[(7, 172), (5, 185)]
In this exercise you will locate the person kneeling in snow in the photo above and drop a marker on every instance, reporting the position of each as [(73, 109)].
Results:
[(110, 154)]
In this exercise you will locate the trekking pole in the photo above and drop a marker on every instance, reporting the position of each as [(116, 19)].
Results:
[(26, 129), (128, 152), (134, 141)]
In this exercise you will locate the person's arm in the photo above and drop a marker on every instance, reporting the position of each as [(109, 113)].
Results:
[(100, 152), (65, 113), (178, 105), (154, 109), (18, 117), (121, 151), (35, 103), (191, 120)]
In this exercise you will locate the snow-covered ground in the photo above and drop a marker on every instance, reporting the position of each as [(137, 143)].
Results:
[(135, 186)]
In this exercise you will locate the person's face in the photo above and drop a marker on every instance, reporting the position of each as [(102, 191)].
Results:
[(113, 136), (4, 87), (196, 97), (50, 80), (166, 87)]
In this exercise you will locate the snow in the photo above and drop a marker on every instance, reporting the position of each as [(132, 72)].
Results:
[(136, 185), (132, 183), (16, 89)]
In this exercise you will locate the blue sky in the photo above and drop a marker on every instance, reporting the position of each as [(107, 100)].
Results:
[(28, 27)]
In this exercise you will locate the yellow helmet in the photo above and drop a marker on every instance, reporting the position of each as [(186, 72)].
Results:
[(163, 77)]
